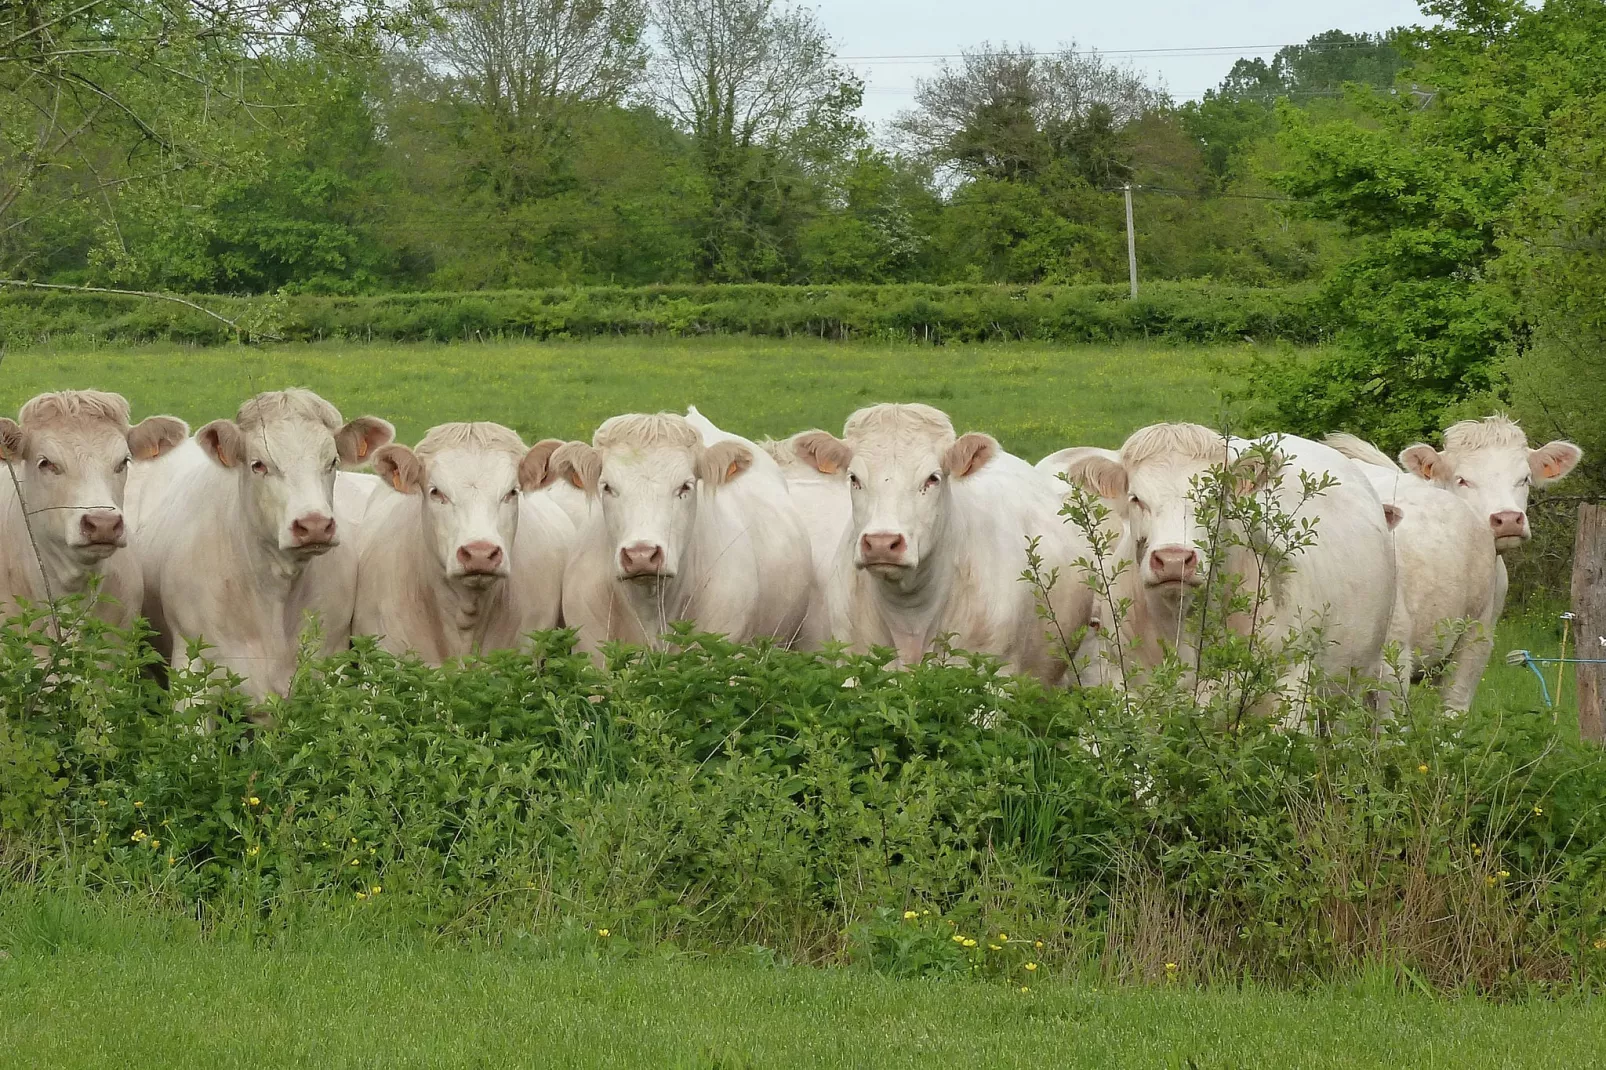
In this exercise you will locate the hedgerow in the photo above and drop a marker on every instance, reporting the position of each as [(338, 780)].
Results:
[(1181, 312), (724, 796)]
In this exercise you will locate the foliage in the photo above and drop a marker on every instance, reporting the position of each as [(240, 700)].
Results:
[(960, 313)]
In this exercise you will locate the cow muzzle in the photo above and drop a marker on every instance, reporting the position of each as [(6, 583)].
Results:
[(643, 561), (313, 533), (481, 560), (883, 551), (1510, 528), (101, 531), (1173, 565)]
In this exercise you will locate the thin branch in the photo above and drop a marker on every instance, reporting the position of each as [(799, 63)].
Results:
[(233, 325)]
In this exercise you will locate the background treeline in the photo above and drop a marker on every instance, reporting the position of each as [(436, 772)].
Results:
[(536, 143)]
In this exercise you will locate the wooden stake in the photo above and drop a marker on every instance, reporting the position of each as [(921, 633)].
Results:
[(1589, 606)]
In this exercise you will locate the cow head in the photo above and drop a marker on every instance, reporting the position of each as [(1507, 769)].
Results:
[(70, 452), (467, 478), (900, 460), (1487, 463), (1152, 487), (285, 446), (645, 471)]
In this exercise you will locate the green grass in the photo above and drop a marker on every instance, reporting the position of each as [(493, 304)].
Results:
[(85, 988), (1035, 398)]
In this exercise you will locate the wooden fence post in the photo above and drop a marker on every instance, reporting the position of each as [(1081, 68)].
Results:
[(1589, 604)]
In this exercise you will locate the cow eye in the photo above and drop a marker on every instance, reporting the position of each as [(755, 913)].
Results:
[(606, 488), (932, 480), (1135, 501), (122, 465), (685, 489), (334, 464), (511, 495), (47, 465), (853, 481), (1461, 481), (259, 468), (435, 493)]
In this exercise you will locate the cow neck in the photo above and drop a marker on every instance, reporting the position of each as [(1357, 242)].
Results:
[(55, 568), (914, 608), (654, 607)]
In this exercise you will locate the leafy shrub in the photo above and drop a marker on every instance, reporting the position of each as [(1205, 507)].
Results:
[(1182, 312)]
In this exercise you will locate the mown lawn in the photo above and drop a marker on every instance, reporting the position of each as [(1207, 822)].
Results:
[(1035, 398), (123, 995)]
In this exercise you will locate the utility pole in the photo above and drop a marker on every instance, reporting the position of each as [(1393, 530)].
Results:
[(1131, 243)]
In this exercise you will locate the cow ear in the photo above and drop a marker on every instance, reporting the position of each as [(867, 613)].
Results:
[(357, 441), (155, 435), (1426, 462), (400, 467), (1553, 461), (723, 462), (10, 440), (1253, 470), (822, 451), (1392, 515), (536, 470), (223, 442), (1099, 474), (969, 454), (579, 463)]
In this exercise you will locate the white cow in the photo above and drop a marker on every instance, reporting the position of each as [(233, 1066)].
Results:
[(1344, 584), (1487, 464), (1448, 570), (454, 558), (938, 539), (240, 536), (823, 501), (682, 530), (70, 453)]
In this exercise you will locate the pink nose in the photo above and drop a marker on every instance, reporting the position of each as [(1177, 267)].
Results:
[(479, 557), (882, 548), (1509, 524), (102, 528), (641, 559), (1173, 564), (314, 529)]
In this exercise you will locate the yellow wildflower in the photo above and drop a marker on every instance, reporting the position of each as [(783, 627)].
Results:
[(1023, 988), (1538, 810), (602, 932), (969, 943), (255, 801), (1477, 851), (957, 938), (1031, 966), (155, 844), (103, 802), (1171, 967), (1503, 874), (138, 805), (139, 834), (1489, 881), (994, 947), (1003, 938), (1600, 943), (1421, 769), (362, 895), (925, 913), (1038, 944), (375, 890), (253, 851), (909, 915), (171, 860)]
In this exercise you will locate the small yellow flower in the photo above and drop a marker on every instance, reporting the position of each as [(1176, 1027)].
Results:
[(373, 850), (1477, 852), (139, 805), (375, 890), (1031, 966), (254, 850), (155, 844), (1038, 944), (925, 913), (909, 915), (362, 895), (354, 839), (1489, 881), (1171, 967), (969, 943), (1421, 769), (1023, 988), (103, 802), (994, 947), (171, 860), (1503, 874), (1003, 938), (1600, 943), (957, 938), (602, 932), (326, 843), (255, 801), (1538, 810), (139, 834)]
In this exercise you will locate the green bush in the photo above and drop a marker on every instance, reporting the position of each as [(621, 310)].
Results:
[(722, 796), (1182, 312)]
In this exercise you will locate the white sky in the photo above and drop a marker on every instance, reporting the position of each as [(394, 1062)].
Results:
[(1222, 30)]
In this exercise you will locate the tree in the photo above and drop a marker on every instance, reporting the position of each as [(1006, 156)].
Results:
[(1009, 113), (752, 84)]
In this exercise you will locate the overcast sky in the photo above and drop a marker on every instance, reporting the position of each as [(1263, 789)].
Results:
[(1213, 33)]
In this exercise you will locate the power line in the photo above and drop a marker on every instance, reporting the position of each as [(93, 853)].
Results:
[(1194, 50)]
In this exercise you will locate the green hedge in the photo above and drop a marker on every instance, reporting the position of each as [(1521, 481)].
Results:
[(1182, 312)]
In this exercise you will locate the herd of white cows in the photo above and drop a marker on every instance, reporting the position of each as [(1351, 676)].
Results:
[(898, 534)]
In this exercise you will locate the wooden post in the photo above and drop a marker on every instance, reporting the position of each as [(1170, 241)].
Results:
[(1131, 243), (1589, 605)]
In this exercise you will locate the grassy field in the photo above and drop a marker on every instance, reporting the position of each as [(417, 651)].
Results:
[(1034, 398), (82, 990)]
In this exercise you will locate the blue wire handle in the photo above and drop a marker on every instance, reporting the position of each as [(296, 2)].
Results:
[(1533, 663)]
